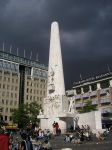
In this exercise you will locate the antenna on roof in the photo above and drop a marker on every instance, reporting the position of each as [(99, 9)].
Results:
[(80, 76), (10, 49), (24, 53), (17, 51), (31, 55), (3, 48), (108, 68)]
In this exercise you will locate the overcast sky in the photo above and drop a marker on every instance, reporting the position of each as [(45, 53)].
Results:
[(85, 31)]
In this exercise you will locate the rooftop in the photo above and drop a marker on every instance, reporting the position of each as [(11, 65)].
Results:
[(21, 60)]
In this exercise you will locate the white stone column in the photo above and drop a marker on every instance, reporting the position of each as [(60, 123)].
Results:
[(82, 91), (90, 89), (75, 93), (98, 86), (110, 83)]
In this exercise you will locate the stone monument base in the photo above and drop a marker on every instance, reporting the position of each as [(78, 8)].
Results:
[(93, 119), (64, 123)]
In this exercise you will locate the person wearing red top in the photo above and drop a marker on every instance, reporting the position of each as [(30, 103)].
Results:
[(57, 127), (4, 142)]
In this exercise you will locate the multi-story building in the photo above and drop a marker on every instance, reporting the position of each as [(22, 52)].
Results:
[(96, 89), (21, 81)]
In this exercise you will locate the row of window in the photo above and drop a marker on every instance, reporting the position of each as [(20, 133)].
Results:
[(35, 82), (39, 85), (7, 94), (86, 88), (34, 98), (9, 79), (7, 86), (35, 91), (11, 102), (93, 97), (5, 118)]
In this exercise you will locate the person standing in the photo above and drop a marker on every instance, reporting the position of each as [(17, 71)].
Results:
[(4, 141), (57, 128), (54, 128)]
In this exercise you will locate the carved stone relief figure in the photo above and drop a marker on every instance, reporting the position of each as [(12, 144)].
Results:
[(71, 106)]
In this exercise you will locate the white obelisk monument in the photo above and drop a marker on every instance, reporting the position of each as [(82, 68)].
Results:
[(55, 105)]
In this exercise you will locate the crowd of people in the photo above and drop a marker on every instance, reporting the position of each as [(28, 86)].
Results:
[(78, 135), (84, 133), (38, 139), (25, 139)]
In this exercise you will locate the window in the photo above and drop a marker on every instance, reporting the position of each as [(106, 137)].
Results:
[(3, 94), (27, 83), (3, 86), (6, 102), (2, 101), (7, 87), (12, 87), (11, 94), (34, 98), (0, 78), (30, 90), (12, 80), (15, 95), (5, 118), (10, 118), (44, 93), (4, 78), (94, 87), (15, 103), (27, 90), (16, 88), (30, 97), (6, 110), (7, 94), (27, 97), (16, 80), (11, 102)]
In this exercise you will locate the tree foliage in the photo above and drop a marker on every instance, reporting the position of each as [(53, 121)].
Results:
[(25, 114), (20, 116), (88, 107), (33, 110)]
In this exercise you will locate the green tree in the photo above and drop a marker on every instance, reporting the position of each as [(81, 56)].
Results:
[(33, 110), (88, 107), (20, 116), (26, 113)]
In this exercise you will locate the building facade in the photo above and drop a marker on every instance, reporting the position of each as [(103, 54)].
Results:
[(96, 89), (21, 81)]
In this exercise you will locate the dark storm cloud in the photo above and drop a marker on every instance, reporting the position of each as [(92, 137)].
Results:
[(85, 30)]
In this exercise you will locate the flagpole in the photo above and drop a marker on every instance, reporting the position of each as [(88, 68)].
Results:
[(17, 51), (31, 55), (80, 76), (108, 68), (10, 49), (24, 53), (37, 57), (3, 46)]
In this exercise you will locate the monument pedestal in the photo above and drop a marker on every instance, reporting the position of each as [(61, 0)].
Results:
[(64, 123)]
